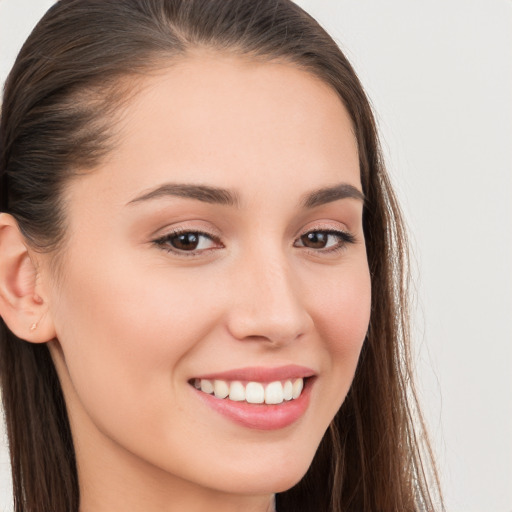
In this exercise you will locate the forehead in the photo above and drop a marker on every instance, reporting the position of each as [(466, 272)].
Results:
[(232, 121)]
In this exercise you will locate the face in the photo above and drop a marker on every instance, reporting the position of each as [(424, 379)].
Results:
[(220, 245)]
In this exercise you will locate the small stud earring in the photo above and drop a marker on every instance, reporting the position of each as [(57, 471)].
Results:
[(33, 326)]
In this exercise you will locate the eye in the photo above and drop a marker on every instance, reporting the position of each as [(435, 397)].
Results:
[(326, 240), (188, 242)]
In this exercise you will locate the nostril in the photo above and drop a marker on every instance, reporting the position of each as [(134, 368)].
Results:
[(272, 327)]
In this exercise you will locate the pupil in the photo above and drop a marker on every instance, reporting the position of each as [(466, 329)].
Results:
[(186, 241), (316, 240)]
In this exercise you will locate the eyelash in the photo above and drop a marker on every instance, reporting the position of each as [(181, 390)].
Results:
[(165, 242), (344, 238)]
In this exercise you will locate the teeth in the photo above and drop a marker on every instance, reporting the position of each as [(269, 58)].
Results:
[(288, 390), (274, 393), (297, 388), (253, 392), (220, 388), (206, 386), (237, 392)]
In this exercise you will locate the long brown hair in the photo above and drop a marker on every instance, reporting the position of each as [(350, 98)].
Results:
[(58, 119)]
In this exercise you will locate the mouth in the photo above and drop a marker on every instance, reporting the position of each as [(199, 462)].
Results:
[(258, 398), (252, 392)]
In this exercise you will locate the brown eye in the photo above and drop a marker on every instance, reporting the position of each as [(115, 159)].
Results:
[(185, 241), (315, 239), (325, 240), (188, 241)]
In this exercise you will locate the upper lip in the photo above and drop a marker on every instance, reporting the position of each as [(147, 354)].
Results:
[(262, 373)]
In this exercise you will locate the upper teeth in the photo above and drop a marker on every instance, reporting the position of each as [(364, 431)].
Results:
[(252, 392)]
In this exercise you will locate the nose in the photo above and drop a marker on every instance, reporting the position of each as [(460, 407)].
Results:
[(268, 303)]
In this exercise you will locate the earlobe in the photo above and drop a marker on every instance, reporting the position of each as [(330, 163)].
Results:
[(22, 307)]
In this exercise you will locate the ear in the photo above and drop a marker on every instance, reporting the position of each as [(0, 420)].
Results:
[(22, 304)]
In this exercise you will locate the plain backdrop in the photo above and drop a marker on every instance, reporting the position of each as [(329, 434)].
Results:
[(439, 75)]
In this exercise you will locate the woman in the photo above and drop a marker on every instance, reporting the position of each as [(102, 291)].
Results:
[(202, 274)]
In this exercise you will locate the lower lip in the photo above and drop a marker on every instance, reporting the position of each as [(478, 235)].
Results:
[(261, 416)]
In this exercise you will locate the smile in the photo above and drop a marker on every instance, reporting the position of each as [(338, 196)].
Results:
[(252, 392), (258, 398)]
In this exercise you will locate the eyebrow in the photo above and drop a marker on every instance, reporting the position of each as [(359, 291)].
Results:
[(204, 193), (225, 197), (331, 194)]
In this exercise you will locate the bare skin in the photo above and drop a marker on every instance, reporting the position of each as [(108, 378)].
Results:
[(274, 275)]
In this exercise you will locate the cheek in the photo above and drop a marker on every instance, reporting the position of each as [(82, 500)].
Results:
[(342, 319), (340, 303), (344, 312), (124, 333)]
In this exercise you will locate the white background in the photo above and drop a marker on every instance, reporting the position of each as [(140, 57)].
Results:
[(439, 74)]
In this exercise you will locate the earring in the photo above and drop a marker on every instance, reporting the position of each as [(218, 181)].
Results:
[(33, 326)]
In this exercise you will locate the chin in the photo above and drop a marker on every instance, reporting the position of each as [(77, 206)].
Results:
[(272, 482), (269, 476)]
